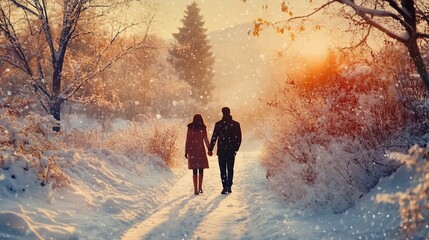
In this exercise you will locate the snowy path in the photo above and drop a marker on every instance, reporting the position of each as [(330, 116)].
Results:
[(253, 211), (207, 216)]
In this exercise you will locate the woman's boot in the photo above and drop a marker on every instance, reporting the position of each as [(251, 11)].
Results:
[(194, 177), (201, 183)]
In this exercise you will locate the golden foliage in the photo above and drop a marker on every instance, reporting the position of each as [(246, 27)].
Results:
[(163, 143), (148, 138), (258, 24), (284, 7), (281, 26), (82, 139)]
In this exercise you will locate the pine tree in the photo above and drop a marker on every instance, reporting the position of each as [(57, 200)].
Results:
[(191, 54)]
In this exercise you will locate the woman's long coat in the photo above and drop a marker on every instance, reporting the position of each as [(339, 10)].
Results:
[(196, 144)]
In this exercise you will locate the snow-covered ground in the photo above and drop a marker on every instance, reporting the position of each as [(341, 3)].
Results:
[(253, 211), (114, 197), (108, 192)]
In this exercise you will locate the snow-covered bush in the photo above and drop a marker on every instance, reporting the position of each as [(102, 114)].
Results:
[(413, 204), (411, 91), (27, 147), (163, 143), (82, 139), (330, 131), (136, 140)]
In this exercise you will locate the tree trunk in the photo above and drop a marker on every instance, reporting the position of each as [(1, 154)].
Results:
[(56, 101), (418, 60), (55, 110)]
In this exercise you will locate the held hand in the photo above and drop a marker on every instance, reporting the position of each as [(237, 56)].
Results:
[(210, 153)]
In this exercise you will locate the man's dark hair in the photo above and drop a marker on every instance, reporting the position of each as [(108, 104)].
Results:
[(226, 111)]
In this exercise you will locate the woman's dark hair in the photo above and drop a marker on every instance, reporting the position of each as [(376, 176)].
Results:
[(197, 122)]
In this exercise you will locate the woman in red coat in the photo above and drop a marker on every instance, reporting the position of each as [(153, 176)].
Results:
[(195, 151)]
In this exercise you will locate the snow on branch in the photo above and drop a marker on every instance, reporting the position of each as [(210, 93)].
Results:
[(373, 12), (365, 14)]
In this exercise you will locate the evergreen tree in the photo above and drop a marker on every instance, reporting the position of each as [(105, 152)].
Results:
[(191, 55)]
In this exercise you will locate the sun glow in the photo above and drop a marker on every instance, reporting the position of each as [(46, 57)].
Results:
[(314, 46)]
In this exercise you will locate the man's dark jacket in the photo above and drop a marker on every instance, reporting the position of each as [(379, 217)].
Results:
[(228, 134)]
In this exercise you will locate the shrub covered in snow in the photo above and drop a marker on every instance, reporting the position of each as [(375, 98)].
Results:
[(137, 139), (28, 147), (155, 138), (413, 204), (163, 143), (331, 128), (70, 185)]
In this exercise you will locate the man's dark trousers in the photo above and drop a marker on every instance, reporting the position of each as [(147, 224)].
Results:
[(226, 166)]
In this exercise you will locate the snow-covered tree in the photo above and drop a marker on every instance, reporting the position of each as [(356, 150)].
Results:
[(38, 36), (191, 54)]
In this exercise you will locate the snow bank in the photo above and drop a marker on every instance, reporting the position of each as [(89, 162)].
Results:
[(50, 191), (273, 218), (333, 179)]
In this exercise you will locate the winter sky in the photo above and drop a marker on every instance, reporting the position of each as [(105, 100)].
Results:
[(219, 15)]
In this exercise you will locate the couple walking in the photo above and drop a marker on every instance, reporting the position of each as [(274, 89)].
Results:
[(227, 133)]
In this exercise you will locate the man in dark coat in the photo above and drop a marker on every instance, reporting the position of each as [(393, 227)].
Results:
[(227, 133)]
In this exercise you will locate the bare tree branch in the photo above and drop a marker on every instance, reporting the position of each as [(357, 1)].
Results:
[(308, 15), (140, 45), (115, 37), (362, 12), (12, 62), (362, 42), (395, 6), (25, 8), (7, 28), (422, 35)]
